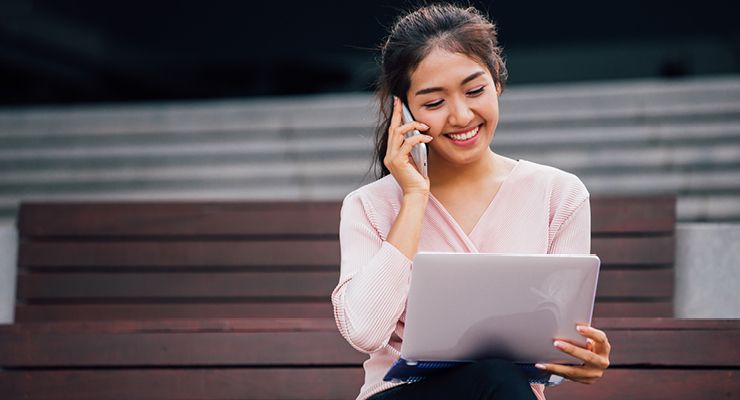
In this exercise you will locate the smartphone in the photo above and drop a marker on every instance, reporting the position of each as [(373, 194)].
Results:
[(418, 152)]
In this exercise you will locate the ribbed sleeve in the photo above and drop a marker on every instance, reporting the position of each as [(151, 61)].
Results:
[(538, 210), (374, 280)]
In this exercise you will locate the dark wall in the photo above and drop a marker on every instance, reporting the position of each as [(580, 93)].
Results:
[(116, 50)]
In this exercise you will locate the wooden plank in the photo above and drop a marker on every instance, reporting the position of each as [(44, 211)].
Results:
[(661, 342), (633, 214), (174, 326), (689, 347), (293, 284), (612, 251), (657, 324), (192, 349), (644, 284), (180, 254), (323, 325), (609, 214), (177, 384), (635, 251), (328, 383), (651, 384), (107, 312), (174, 218), (647, 284), (611, 309)]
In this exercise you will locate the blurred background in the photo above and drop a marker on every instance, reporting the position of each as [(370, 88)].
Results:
[(89, 51), (142, 100)]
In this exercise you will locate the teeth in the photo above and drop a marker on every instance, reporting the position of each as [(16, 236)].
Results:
[(464, 136)]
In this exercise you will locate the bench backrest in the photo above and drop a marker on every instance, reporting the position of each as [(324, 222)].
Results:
[(111, 261)]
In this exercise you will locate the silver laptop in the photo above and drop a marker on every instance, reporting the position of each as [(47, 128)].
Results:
[(465, 307)]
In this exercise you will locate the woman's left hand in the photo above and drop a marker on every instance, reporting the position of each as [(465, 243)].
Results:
[(595, 357)]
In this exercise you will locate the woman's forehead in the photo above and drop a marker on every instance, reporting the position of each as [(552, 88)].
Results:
[(441, 68)]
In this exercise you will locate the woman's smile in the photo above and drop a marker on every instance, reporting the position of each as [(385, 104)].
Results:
[(464, 137)]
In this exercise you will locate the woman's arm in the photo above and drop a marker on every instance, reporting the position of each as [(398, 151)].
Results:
[(573, 236), (375, 271), (373, 285)]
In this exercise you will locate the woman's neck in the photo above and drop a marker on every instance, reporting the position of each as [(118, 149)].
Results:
[(443, 174)]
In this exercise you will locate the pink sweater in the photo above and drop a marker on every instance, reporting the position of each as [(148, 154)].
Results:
[(538, 210)]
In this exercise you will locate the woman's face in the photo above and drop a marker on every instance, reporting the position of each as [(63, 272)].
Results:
[(457, 98)]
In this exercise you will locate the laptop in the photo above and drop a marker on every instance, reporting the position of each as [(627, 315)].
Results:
[(465, 307)]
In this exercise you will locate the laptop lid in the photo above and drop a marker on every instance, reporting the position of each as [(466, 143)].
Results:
[(473, 306)]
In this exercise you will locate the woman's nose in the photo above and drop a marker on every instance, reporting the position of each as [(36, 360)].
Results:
[(460, 113)]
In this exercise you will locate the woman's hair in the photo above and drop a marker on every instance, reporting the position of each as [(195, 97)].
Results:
[(416, 34)]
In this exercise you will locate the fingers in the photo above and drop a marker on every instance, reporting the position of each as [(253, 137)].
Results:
[(573, 373), (595, 357), (598, 342), (397, 129), (395, 139), (397, 157), (407, 144), (590, 358)]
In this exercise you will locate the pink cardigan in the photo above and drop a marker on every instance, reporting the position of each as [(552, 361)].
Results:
[(538, 210)]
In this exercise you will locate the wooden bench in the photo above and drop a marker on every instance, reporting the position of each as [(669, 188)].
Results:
[(112, 261), (653, 358), (231, 300)]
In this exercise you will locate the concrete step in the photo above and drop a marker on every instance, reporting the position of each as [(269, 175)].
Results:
[(636, 137)]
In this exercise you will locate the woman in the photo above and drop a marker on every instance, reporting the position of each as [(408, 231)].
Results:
[(444, 63)]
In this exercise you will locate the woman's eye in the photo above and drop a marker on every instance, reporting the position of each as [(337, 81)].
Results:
[(476, 91), (433, 105)]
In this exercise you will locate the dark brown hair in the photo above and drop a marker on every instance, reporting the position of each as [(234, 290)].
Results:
[(413, 36)]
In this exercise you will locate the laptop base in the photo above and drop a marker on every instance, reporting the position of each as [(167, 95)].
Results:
[(414, 371)]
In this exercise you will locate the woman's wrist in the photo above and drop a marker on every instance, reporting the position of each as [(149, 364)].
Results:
[(415, 199), (406, 230)]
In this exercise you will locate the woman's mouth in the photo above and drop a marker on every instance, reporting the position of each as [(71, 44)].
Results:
[(460, 137)]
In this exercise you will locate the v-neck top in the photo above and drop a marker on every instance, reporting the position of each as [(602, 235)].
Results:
[(537, 210)]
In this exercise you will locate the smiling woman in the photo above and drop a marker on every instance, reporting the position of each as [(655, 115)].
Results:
[(444, 63)]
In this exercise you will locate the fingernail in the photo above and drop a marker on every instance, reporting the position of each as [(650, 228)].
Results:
[(560, 345), (540, 366), (395, 100), (581, 328), (423, 125)]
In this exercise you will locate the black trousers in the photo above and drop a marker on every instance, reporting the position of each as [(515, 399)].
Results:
[(489, 379)]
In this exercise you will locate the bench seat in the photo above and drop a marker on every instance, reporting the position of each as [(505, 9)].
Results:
[(655, 358)]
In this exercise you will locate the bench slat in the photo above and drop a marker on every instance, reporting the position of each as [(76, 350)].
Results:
[(181, 286), (660, 384), (636, 308), (179, 218), (633, 214), (624, 214), (101, 312), (176, 384), (636, 284), (635, 251), (107, 312), (180, 349), (187, 344), (289, 284), (180, 254), (328, 383), (612, 251)]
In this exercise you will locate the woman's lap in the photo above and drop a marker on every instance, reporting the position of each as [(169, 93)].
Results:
[(489, 379)]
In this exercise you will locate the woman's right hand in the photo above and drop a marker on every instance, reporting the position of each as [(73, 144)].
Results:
[(398, 154)]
